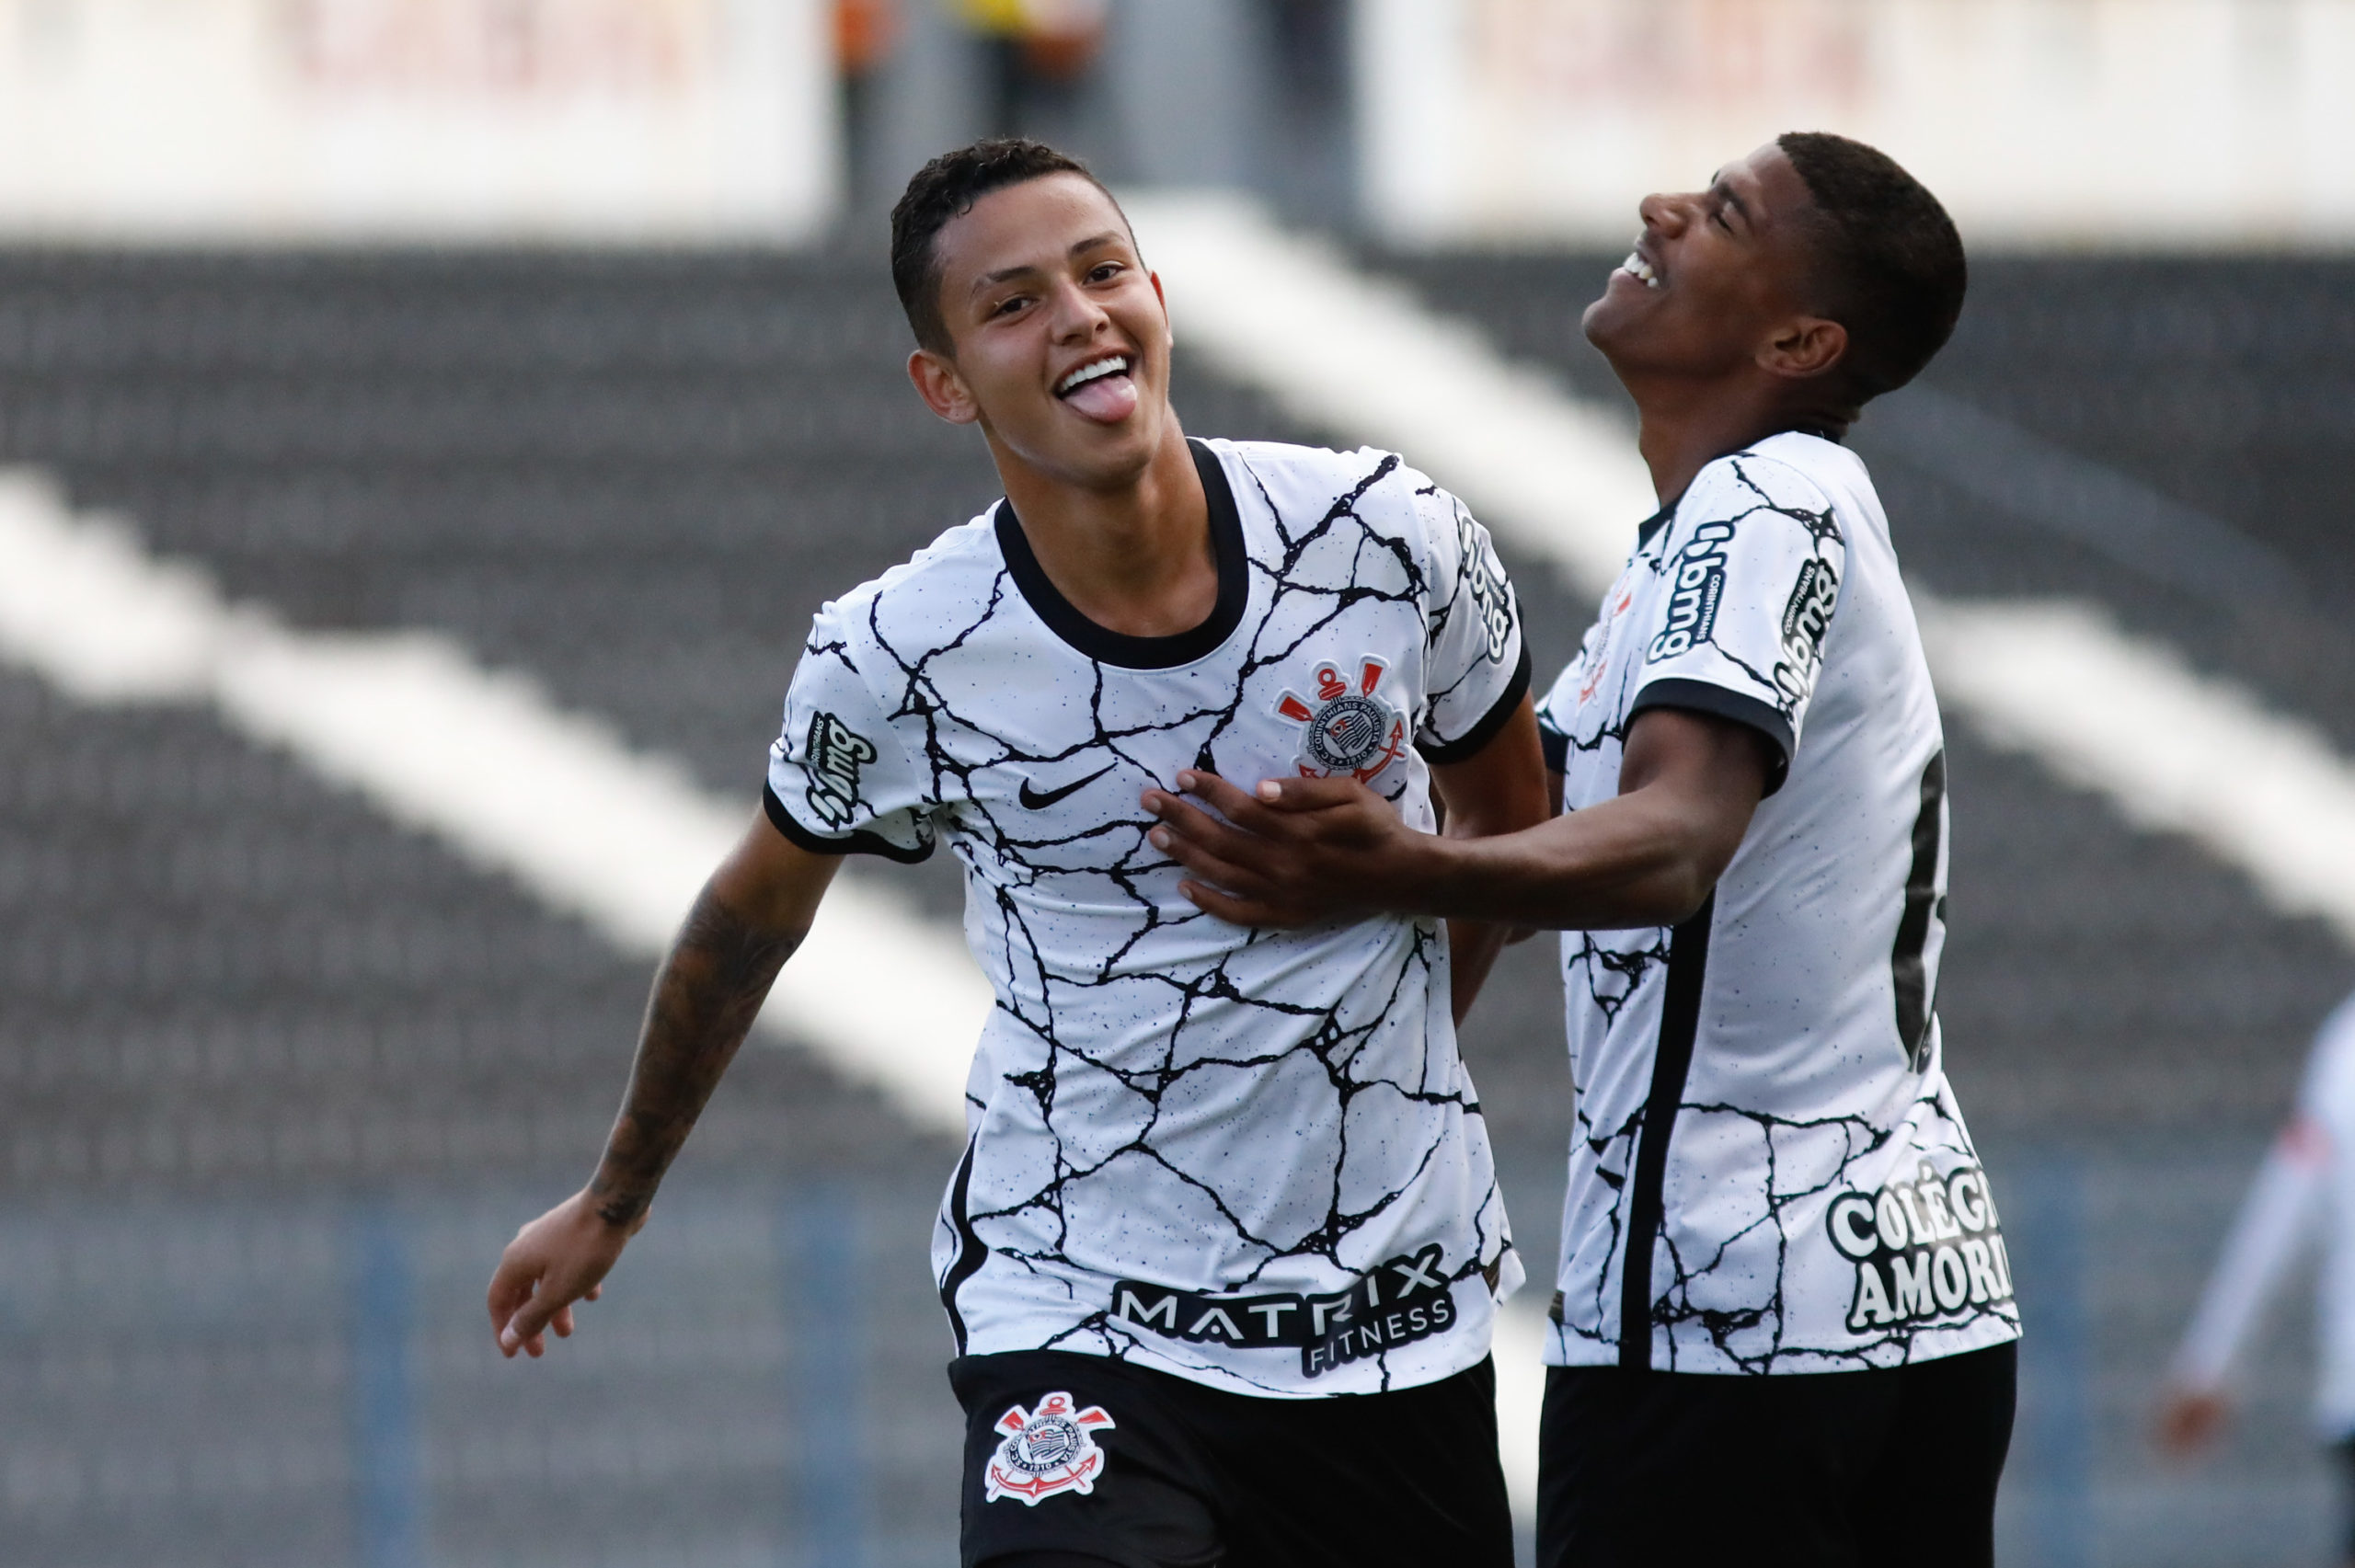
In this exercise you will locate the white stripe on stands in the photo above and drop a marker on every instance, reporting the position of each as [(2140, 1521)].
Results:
[(1361, 359), (484, 762), (2175, 751)]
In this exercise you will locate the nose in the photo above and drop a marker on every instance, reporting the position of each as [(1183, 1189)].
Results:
[(1667, 215), (1076, 315)]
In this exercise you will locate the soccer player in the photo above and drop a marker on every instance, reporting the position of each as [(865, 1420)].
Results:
[(2304, 1191), (1222, 1250), (1784, 1325)]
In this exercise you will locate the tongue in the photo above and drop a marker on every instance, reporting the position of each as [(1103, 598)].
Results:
[(1108, 399)]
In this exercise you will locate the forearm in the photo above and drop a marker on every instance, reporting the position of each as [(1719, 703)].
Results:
[(709, 991), (1632, 861), (1472, 945)]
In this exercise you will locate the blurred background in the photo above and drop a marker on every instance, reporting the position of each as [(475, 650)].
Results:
[(551, 340)]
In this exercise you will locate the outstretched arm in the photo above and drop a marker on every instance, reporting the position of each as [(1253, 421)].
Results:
[(745, 923), (1296, 851), (1502, 788), (2279, 1213)]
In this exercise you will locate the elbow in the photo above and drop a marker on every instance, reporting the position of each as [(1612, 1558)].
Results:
[(1674, 906), (1684, 886)]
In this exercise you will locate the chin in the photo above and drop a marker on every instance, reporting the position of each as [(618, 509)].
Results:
[(1608, 329), (1108, 457)]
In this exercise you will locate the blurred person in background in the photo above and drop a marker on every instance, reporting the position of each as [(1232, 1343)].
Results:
[(866, 32), (1038, 54), (2304, 1191)]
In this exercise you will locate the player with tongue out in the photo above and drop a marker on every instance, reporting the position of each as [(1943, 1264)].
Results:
[(1224, 1249)]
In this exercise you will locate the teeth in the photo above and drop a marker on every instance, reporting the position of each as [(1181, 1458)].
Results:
[(1094, 370), (1638, 268)]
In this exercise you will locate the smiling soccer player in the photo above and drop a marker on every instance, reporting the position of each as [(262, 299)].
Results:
[(1784, 1326), (1222, 1253)]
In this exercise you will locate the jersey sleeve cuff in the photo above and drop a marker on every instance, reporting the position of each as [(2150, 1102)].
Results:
[(1469, 743), (859, 843), (1700, 696)]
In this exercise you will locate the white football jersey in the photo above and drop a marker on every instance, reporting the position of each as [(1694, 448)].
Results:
[(1760, 1101), (1252, 1159)]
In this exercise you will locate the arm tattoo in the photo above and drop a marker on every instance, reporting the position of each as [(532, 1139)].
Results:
[(706, 996)]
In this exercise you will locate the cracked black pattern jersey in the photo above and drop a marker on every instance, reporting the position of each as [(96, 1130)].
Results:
[(1768, 1171), (1252, 1159)]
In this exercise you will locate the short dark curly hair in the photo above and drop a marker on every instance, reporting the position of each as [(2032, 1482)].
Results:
[(1891, 265), (946, 188)]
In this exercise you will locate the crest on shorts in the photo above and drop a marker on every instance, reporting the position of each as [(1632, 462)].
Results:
[(1350, 728), (1048, 1449)]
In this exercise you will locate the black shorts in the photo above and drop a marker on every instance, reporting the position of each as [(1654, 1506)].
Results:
[(1149, 1471), (1825, 1470)]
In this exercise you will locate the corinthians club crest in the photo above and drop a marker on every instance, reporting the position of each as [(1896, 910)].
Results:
[(1047, 1451), (1350, 728)]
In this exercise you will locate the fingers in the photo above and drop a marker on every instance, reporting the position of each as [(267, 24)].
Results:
[(511, 1291), (1244, 809), (1194, 838), (527, 1329), (1307, 795), (1237, 912)]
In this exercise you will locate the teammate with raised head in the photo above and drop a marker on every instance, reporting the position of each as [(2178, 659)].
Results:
[(1784, 1326), (1222, 1250)]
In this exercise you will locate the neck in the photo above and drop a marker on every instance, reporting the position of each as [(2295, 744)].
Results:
[(1684, 426), (1136, 559)]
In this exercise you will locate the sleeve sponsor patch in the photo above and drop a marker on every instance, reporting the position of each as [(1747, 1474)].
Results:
[(836, 753), (1807, 615), (1699, 570)]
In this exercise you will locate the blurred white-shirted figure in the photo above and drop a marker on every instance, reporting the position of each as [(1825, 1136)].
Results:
[(2304, 1191)]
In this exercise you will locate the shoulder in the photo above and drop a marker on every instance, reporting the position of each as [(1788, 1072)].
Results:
[(962, 566), (1304, 484), (1793, 473)]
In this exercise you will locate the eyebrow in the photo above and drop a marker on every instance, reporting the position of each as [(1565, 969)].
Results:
[(1007, 274)]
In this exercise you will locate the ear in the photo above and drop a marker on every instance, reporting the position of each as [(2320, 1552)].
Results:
[(1168, 333), (1804, 347), (941, 387)]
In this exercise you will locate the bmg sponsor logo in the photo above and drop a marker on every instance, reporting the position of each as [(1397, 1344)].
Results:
[(1925, 1249), (835, 753), (1807, 615), (1699, 588), (1491, 600)]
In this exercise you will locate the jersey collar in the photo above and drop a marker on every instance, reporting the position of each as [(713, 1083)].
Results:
[(1108, 646)]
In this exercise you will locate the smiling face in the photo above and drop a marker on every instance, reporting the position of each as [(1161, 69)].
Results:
[(1720, 279), (1059, 336)]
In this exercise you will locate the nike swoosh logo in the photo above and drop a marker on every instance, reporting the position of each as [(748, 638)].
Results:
[(1036, 800)]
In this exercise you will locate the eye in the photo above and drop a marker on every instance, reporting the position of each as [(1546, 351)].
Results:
[(1008, 306), (1105, 271), (1718, 218)]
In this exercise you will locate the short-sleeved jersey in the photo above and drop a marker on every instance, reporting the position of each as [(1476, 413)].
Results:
[(1769, 1172), (1250, 1158)]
